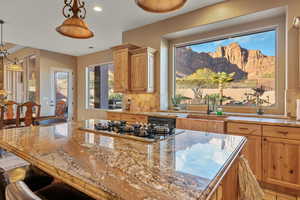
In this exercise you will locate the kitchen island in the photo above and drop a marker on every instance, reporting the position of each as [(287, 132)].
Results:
[(187, 166)]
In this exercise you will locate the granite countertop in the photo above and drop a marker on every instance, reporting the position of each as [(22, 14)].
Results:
[(274, 120), (187, 166), (264, 121)]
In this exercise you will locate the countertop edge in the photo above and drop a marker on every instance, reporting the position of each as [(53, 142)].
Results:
[(223, 172)]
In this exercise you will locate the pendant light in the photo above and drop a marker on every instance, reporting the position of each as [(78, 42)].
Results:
[(74, 26), (296, 22), (4, 55), (160, 6)]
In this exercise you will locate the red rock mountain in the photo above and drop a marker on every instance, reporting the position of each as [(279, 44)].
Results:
[(247, 64)]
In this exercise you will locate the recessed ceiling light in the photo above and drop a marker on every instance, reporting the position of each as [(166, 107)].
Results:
[(97, 8)]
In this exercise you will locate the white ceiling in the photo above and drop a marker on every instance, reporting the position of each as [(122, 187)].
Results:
[(32, 23)]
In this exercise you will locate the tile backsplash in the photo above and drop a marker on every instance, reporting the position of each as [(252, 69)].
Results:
[(143, 102)]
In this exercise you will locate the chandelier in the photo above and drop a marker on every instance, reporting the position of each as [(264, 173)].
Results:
[(14, 66), (74, 26), (160, 6)]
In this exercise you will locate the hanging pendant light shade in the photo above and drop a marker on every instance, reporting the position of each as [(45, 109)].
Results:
[(74, 26), (4, 55), (160, 6)]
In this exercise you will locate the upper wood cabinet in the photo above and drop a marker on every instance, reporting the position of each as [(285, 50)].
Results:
[(142, 70), (121, 58), (121, 65), (134, 69)]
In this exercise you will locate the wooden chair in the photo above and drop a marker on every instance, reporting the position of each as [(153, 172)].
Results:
[(60, 109), (8, 116), (33, 111), (2, 112), (11, 110)]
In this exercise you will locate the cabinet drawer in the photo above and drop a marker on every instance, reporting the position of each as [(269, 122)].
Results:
[(113, 116), (245, 129), (282, 132), (131, 118)]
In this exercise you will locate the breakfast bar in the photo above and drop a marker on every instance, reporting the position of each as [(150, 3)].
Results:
[(188, 165)]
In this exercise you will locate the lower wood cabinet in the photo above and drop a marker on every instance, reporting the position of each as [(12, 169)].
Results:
[(214, 126), (253, 153), (253, 149), (130, 118), (281, 162), (113, 116)]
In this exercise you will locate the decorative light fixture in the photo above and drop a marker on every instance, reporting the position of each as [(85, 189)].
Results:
[(74, 26), (160, 6), (296, 22), (4, 55)]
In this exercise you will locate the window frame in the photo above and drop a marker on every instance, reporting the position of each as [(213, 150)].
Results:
[(278, 108)]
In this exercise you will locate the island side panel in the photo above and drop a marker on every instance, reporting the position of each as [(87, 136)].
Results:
[(230, 183)]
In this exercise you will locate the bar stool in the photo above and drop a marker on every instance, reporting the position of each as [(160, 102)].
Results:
[(23, 191), (57, 191), (35, 179)]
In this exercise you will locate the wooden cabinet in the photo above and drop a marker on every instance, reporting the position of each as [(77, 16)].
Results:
[(245, 129), (122, 63), (142, 70), (253, 153), (281, 162), (214, 126), (113, 116), (130, 118), (121, 68), (253, 149), (282, 132), (133, 69)]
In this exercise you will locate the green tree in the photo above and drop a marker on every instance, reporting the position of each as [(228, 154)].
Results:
[(221, 79), (197, 81)]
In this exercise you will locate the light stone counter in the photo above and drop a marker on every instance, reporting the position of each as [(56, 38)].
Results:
[(186, 167)]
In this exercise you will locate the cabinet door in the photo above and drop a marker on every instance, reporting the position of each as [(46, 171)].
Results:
[(252, 152), (139, 72), (281, 162), (121, 70), (113, 116), (213, 126)]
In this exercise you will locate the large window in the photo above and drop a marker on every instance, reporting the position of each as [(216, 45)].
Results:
[(100, 80), (236, 70)]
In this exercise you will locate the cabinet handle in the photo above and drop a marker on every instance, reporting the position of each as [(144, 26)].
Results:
[(245, 129), (283, 132)]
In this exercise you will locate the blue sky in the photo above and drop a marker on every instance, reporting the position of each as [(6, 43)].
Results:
[(265, 42)]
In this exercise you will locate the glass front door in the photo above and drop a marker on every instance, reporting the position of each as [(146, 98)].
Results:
[(62, 90)]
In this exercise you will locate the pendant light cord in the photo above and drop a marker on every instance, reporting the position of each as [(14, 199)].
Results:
[(1, 22)]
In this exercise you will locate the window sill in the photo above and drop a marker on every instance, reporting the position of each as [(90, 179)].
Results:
[(234, 110)]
